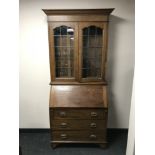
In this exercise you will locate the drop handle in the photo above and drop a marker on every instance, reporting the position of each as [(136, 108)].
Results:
[(93, 114), (93, 125), (63, 125), (63, 136), (62, 114), (92, 136)]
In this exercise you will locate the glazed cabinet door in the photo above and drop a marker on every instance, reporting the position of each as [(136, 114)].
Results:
[(63, 39), (92, 51)]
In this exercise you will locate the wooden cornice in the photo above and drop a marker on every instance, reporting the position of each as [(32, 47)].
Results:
[(50, 12)]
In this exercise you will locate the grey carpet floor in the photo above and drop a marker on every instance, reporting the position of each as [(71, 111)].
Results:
[(38, 144)]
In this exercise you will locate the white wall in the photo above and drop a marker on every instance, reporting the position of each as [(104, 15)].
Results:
[(131, 134), (34, 59)]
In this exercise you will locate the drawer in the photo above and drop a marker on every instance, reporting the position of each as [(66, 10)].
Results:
[(76, 136), (78, 124), (79, 113)]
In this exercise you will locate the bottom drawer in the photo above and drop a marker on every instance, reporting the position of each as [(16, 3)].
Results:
[(79, 136)]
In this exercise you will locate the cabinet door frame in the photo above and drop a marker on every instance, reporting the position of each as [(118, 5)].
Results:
[(51, 27), (104, 27)]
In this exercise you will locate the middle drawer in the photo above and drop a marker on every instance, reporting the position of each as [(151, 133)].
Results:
[(78, 124)]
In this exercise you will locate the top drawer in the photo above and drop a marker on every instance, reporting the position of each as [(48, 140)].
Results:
[(65, 113)]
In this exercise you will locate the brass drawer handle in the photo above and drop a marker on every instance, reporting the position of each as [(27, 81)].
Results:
[(92, 136), (93, 114), (63, 125), (93, 125), (63, 136), (62, 114)]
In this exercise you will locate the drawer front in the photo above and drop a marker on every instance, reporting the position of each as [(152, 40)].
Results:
[(78, 124), (79, 136), (79, 113)]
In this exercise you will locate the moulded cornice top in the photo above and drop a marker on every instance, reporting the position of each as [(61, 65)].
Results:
[(106, 11)]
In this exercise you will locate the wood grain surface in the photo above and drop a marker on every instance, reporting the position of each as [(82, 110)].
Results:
[(78, 96)]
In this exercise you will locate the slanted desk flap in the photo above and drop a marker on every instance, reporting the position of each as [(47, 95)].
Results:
[(78, 96)]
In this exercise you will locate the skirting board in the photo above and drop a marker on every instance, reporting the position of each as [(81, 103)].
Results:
[(47, 130)]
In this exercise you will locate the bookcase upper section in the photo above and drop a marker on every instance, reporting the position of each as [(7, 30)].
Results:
[(78, 41)]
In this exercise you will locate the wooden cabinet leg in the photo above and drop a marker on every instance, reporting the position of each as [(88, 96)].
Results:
[(54, 145), (103, 145)]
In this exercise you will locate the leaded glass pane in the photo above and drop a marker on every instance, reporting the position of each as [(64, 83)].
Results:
[(64, 51), (92, 52)]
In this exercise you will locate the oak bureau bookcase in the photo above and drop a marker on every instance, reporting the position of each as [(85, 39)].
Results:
[(78, 103)]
